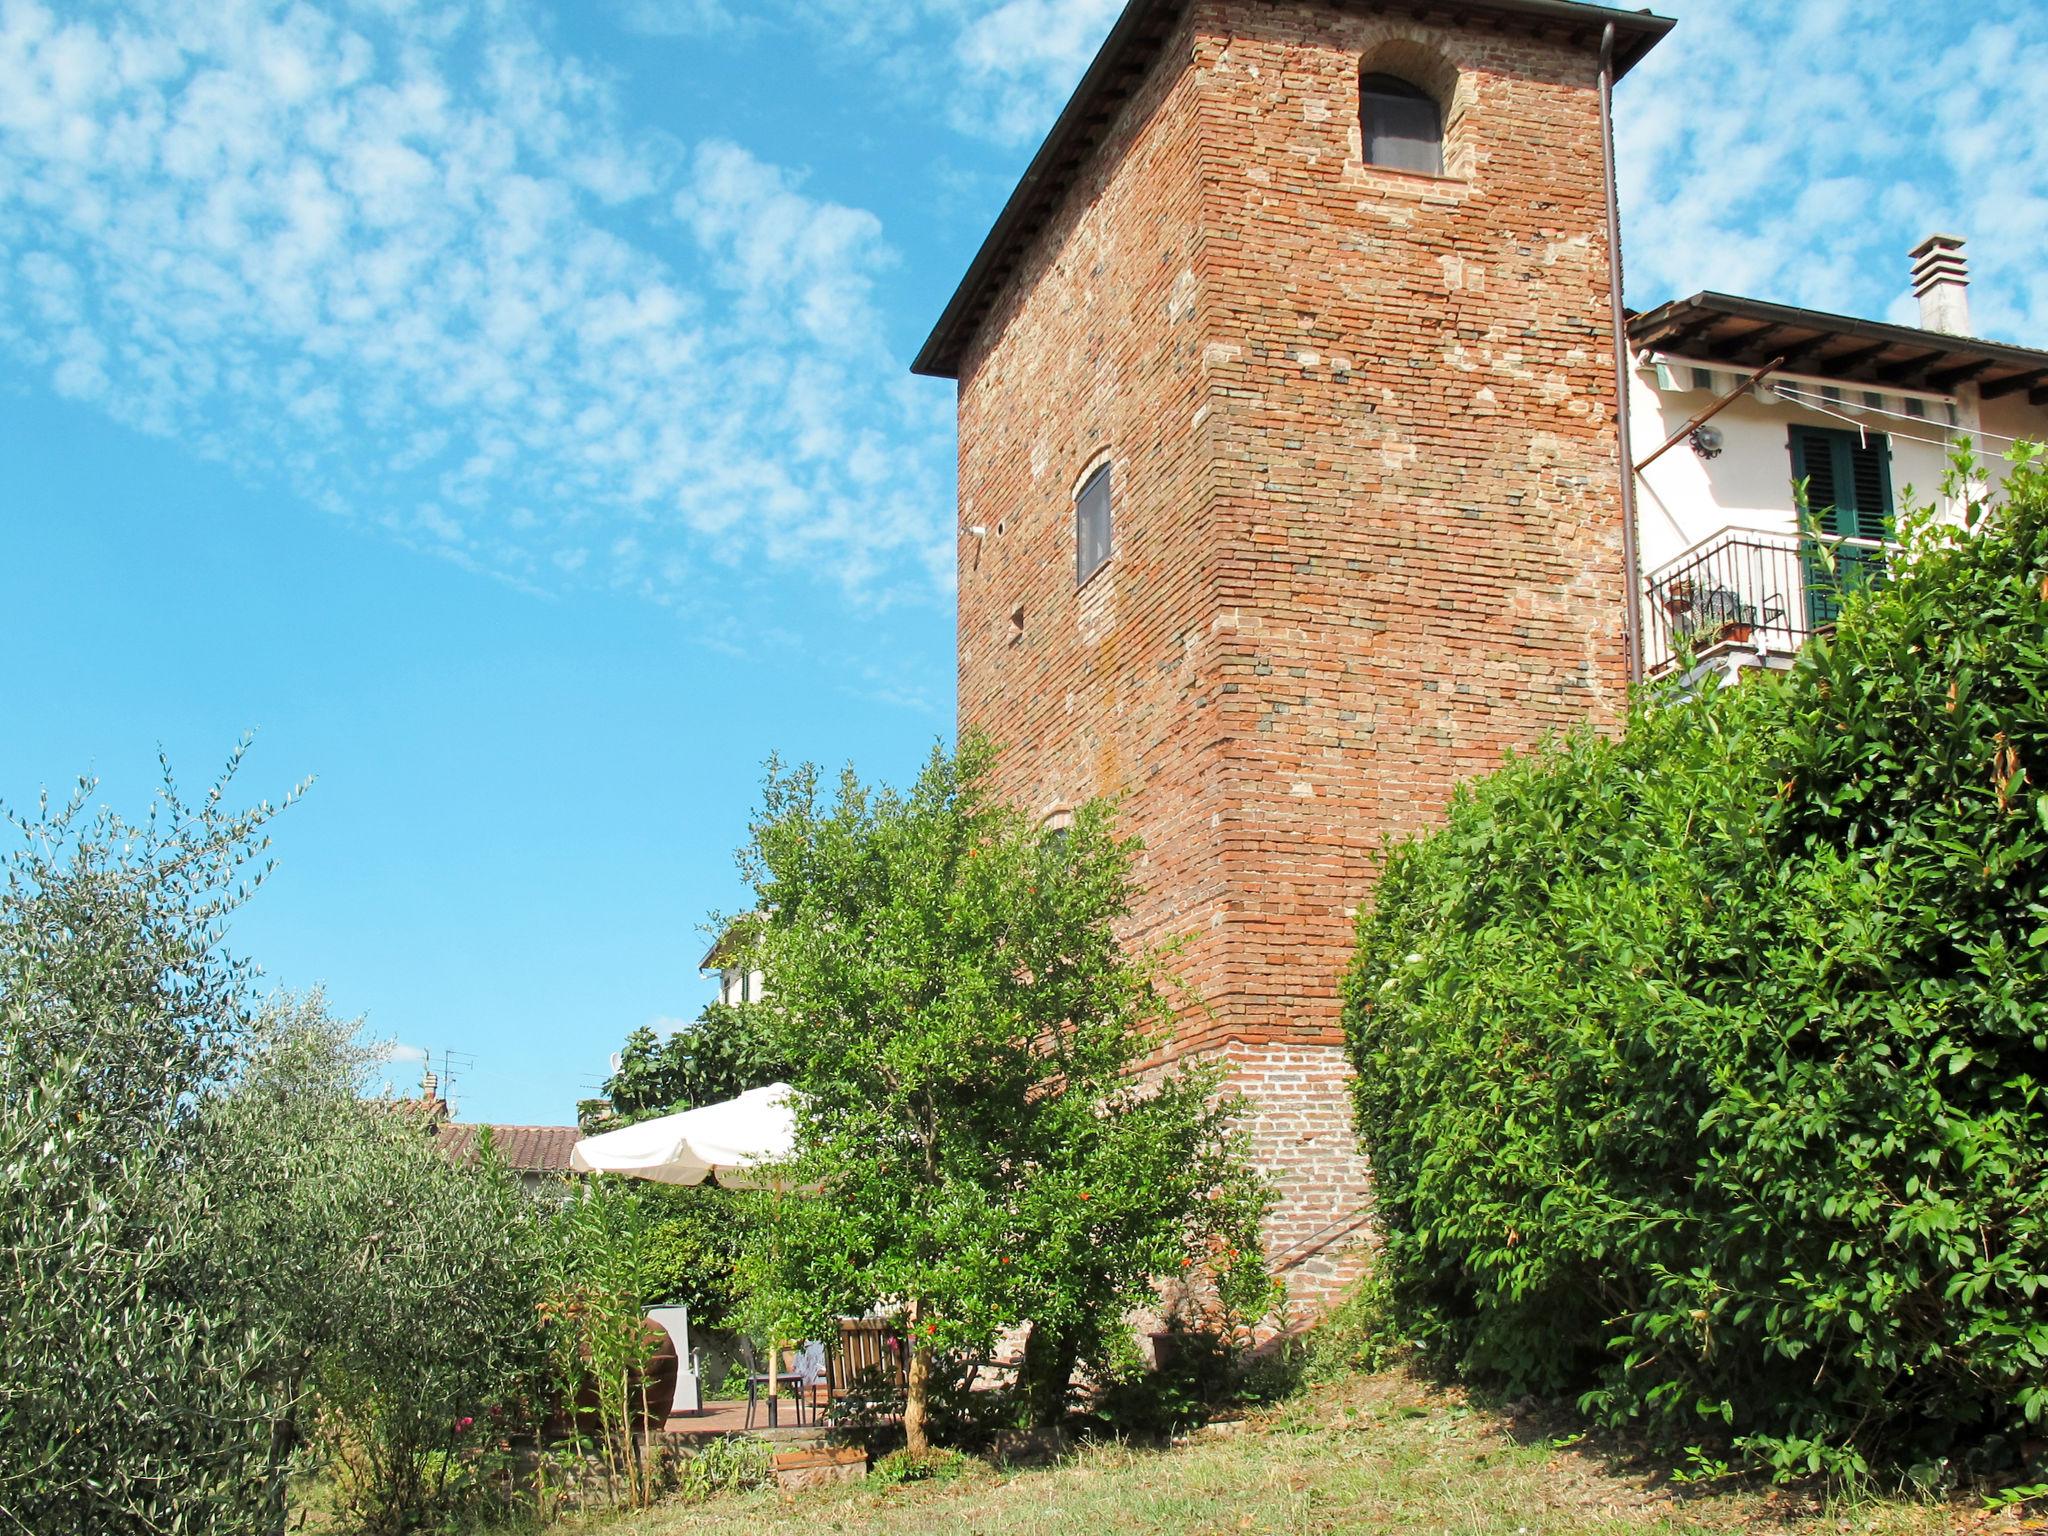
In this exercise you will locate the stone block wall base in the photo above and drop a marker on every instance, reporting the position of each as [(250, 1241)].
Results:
[(1303, 1140), (816, 1466)]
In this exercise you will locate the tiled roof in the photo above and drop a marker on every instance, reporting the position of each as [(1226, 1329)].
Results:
[(1748, 333), (522, 1148)]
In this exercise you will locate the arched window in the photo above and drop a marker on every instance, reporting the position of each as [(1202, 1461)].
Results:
[(1092, 536), (1403, 128)]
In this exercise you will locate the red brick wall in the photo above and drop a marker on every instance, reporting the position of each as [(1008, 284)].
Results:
[(1367, 513)]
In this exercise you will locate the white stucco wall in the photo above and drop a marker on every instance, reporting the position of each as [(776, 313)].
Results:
[(2007, 417), (731, 990), (1684, 500)]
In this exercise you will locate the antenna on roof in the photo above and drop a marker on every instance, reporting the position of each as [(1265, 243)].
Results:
[(453, 1064)]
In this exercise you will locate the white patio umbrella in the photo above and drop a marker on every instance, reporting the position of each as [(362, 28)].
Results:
[(723, 1140)]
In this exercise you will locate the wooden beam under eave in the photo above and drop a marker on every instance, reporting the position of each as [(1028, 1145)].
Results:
[(1912, 368), (1860, 357), (1999, 388), (1949, 378), (1807, 351), (1764, 338), (1685, 333)]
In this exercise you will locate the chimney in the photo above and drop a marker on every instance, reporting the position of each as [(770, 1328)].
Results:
[(432, 1105), (1941, 278)]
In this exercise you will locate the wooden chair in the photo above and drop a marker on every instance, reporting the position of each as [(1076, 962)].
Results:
[(868, 1367)]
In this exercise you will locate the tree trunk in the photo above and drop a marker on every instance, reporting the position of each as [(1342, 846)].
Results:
[(917, 1391)]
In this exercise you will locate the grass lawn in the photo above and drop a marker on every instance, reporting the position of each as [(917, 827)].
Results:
[(1375, 1453)]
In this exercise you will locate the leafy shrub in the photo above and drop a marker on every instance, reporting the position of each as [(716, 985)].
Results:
[(693, 1241), (597, 1287), (1204, 1360), (934, 1466), (731, 1465), (1702, 1069), (1360, 1333)]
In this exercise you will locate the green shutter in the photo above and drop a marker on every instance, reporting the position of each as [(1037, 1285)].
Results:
[(1848, 479)]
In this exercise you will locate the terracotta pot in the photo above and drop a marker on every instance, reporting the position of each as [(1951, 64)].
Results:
[(661, 1390)]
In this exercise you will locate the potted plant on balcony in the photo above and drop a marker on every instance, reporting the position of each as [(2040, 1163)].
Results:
[(1721, 612), (1680, 596)]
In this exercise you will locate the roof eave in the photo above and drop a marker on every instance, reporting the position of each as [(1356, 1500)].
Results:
[(1667, 326), (940, 356)]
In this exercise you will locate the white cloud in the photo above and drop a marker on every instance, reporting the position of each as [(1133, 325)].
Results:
[(413, 264), (392, 1053), (994, 69), (1022, 60), (1798, 152), (678, 18)]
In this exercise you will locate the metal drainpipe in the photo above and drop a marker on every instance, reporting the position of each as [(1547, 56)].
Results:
[(1631, 614)]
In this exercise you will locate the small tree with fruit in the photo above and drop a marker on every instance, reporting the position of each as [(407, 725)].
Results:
[(966, 1030)]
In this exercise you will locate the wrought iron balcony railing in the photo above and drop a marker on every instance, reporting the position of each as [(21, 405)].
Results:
[(1744, 586)]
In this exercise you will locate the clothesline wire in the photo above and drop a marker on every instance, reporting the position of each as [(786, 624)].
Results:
[(1828, 407)]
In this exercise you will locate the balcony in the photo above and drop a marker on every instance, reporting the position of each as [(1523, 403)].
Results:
[(1749, 590)]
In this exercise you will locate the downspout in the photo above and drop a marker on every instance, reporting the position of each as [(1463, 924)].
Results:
[(1631, 613)]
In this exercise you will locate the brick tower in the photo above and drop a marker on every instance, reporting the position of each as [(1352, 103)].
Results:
[(1325, 288)]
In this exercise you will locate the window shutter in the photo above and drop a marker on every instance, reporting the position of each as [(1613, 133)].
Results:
[(1849, 480), (1871, 474), (1813, 460), (1848, 494)]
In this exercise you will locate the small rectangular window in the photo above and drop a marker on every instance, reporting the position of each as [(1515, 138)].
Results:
[(1401, 126), (1092, 526)]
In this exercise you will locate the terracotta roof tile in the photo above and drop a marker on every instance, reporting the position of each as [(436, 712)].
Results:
[(522, 1148)]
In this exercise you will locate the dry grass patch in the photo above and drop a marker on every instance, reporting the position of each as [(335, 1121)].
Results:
[(1385, 1453)]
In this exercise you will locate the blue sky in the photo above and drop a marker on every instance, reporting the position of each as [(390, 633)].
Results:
[(502, 409)]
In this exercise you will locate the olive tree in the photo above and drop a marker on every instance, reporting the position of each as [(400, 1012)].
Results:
[(212, 1241), (408, 1285), (142, 1385)]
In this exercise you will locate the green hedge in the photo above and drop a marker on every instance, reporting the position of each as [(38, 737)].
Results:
[(1702, 1069)]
